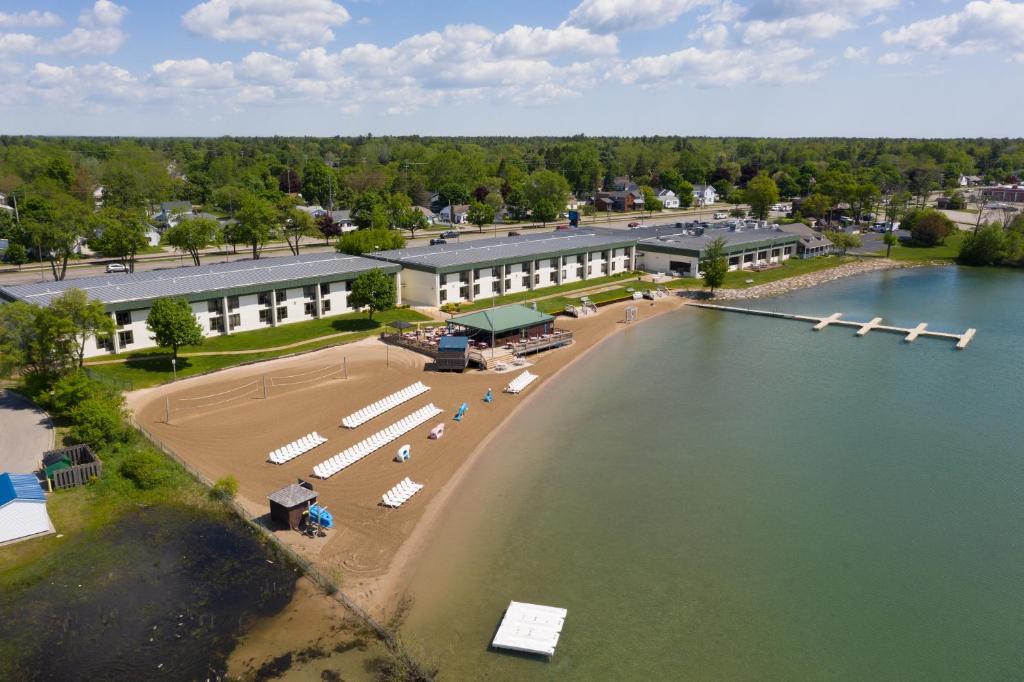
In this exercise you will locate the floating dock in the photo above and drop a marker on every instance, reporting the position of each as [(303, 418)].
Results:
[(909, 334), (531, 628)]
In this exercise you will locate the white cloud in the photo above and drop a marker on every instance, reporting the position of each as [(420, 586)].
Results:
[(722, 68), (94, 86), (82, 41), (790, 8), (199, 74), (713, 35), (12, 43), (895, 58), (980, 27), (31, 19), (103, 13), (537, 41), (291, 24), (817, 26), (265, 68), (856, 53), (606, 16)]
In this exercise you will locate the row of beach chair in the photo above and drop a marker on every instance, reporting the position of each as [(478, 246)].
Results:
[(401, 493), (520, 382), (296, 448), (345, 459), (360, 417)]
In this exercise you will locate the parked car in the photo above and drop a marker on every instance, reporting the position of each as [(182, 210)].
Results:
[(633, 224), (116, 267), (721, 215), (438, 242), (450, 234), (514, 234)]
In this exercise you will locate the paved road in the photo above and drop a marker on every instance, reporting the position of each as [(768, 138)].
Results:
[(31, 273), (25, 434)]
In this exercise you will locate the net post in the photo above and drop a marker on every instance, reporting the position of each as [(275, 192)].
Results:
[(344, 363), (264, 379), (167, 410)]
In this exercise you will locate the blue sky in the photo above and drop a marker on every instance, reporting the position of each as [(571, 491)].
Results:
[(620, 67)]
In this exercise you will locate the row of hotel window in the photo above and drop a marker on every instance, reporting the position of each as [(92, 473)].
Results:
[(216, 307), (463, 279)]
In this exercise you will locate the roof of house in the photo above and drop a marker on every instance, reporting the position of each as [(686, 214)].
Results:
[(292, 496), (20, 487), (700, 189), (490, 252), (117, 291), (458, 208), (502, 319), (169, 206), (666, 193), (341, 216)]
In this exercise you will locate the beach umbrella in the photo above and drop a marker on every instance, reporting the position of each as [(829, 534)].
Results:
[(401, 324)]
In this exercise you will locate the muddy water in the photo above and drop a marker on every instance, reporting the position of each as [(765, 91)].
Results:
[(162, 594)]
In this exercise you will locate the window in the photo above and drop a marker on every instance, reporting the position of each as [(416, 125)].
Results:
[(125, 339), (734, 260), (123, 317), (508, 284), (217, 324), (476, 289), (309, 292), (775, 253), (282, 296), (526, 281), (444, 295), (263, 299), (680, 266), (310, 309), (788, 251), (104, 343), (551, 276), (265, 317), (232, 303), (325, 289), (348, 285), (234, 321), (536, 278), (326, 306), (282, 313), (495, 287), (215, 306), (748, 258)]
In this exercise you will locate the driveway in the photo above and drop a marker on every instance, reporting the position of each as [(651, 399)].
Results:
[(26, 434)]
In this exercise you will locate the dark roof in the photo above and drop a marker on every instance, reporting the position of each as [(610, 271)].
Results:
[(292, 496), (20, 487), (683, 239), (224, 278), (488, 252), (453, 343), (502, 319)]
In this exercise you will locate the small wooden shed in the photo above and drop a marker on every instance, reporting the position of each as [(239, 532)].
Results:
[(70, 467), (452, 353), (289, 503)]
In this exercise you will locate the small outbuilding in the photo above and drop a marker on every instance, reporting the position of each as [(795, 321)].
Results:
[(288, 504), (452, 353), (23, 512), (70, 467), (502, 324)]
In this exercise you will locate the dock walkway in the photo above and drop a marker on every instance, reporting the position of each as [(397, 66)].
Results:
[(909, 334)]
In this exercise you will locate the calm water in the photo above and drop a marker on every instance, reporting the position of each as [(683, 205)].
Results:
[(722, 497)]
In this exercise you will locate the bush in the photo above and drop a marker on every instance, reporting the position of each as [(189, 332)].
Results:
[(146, 469), (98, 421), (988, 246), (71, 391), (927, 226), (225, 488)]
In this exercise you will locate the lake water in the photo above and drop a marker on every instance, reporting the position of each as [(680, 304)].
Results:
[(715, 496)]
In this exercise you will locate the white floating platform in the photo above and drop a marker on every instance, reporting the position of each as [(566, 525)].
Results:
[(531, 628)]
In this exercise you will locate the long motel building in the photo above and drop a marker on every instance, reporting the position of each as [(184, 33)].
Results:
[(225, 297), (677, 249), (454, 272)]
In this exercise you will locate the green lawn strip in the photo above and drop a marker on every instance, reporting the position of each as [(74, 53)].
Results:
[(546, 292), (948, 250), (792, 268)]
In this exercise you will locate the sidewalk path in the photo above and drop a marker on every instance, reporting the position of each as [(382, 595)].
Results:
[(27, 434)]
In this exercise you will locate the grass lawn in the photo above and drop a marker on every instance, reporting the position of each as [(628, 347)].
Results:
[(948, 250)]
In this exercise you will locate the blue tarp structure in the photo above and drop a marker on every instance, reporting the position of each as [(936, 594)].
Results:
[(454, 343)]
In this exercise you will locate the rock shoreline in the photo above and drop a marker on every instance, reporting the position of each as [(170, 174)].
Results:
[(784, 286)]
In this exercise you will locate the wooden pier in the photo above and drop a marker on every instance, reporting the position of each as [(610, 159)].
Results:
[(909, 334)]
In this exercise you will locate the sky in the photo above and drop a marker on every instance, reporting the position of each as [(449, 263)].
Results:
[(892, 68)]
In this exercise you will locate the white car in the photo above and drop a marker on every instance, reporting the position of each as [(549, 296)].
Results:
[(116, 267), (721, 215)]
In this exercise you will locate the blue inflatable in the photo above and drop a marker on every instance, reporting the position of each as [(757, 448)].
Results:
[(461, 412), (318, 514), (489, 396)]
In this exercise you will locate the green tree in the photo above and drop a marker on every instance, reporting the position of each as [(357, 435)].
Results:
[(17, 336), (16, 254), (367, 241), (98, 421), (651, 201), (481, 214), (319, 184), (229, 198), (173, 324), (714, 264), (927, 226), (194, 235), (761, 193), (370, 211), (373, 290), (119, 234), (685, 194), (987, 246), (890, 240), (817, 205), (546, 194), (298, 224), (87, 319), (56, 226), (842, 240), (544, 211), (255, 219)]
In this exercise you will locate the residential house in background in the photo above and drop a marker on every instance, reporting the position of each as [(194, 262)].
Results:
[(427, 213), (343, 219), (624, 184), (97, 196), (704, 195), (668, 198), (456, 215), (620, 200), (573, 204), (970, 180), (171, 211)]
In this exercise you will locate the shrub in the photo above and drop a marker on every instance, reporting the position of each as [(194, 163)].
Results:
[(225, 488), (71, 391), (98, 421), (988, 246), (146, 469)]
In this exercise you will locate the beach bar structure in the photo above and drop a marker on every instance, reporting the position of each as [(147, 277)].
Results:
[(482, 268), (225, 297), (530, 628), (288, 504), (515, 328)]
